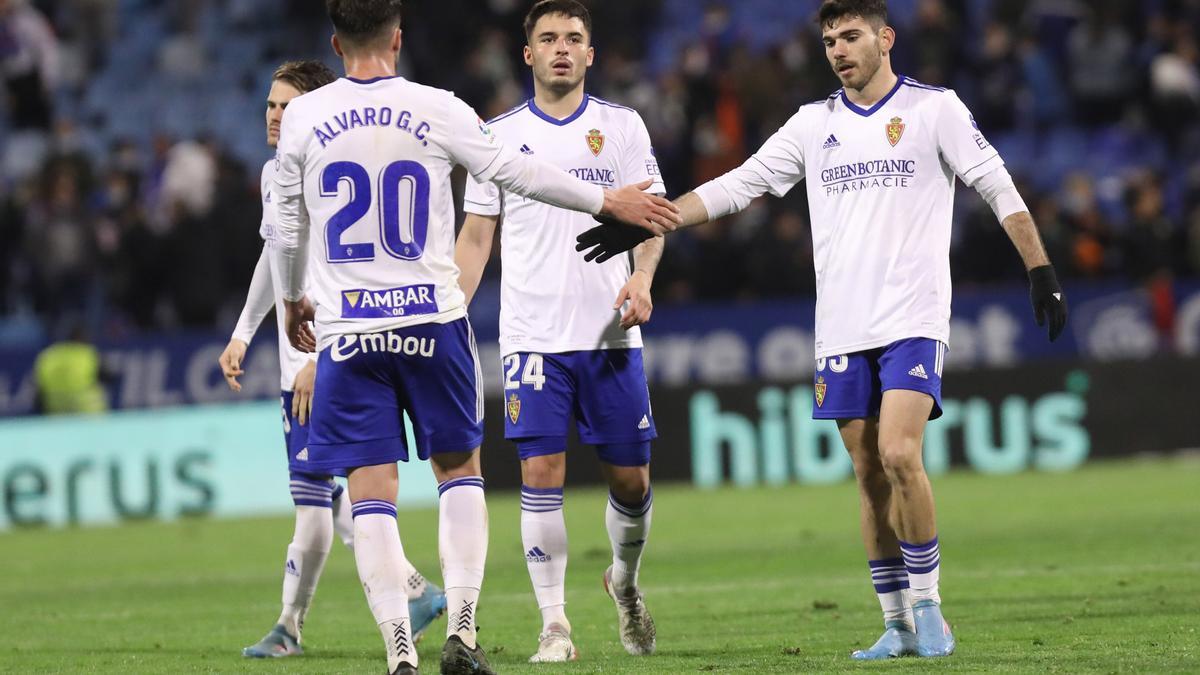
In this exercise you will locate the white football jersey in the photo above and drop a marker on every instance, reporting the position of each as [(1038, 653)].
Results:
[(551, 300), (290, 360), (881, 197), (372, 159)]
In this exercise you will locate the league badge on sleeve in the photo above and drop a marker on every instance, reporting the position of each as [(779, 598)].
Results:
[(819, 390), (895, 129), (514, 407), (595, 141)]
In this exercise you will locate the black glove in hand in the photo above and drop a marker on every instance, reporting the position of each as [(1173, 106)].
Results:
[(1049, 302), (609, 239)]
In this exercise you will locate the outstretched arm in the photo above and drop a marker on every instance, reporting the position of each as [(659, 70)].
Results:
[(776, 168)]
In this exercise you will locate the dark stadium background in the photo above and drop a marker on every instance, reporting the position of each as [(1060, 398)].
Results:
[(131, 141)]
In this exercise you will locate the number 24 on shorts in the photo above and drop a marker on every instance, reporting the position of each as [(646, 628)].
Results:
[(532, 373)]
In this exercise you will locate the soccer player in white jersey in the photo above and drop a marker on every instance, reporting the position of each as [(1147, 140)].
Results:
[(363, 172), (322, 506), (567, 349), (880, 157)]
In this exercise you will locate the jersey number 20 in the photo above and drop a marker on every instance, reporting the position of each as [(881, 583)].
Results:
[(403, 240)]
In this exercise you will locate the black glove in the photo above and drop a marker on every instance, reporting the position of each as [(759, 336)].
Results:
[(609, 239), (1048, 299)]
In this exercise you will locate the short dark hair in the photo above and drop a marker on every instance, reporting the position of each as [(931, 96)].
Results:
[(874, 11), (361, 21), (305, 76), (571, 8)]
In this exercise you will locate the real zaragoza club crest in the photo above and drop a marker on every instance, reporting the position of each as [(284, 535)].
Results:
[(819, 389), (514, 408), (895, 129), (595, 141)]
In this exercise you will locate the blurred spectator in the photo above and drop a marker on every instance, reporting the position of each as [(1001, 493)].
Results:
[(68, 376), (937, 41), (29, 61), (779, 258), (1175, 84), (1100, 52), (1092, 240), (997, 68), (1151, 244)]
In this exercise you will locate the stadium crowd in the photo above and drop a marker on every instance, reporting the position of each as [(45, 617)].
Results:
[(132, 225)]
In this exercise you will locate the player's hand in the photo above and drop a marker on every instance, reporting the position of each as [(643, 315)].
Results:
[(1049, 301), (637, 292), (609, 239), (299, 329), (302, 392), (633, 206), (231, 363)]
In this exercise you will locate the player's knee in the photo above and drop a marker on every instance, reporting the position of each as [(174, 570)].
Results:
[(629, 484), (544, 471), (900, 459)]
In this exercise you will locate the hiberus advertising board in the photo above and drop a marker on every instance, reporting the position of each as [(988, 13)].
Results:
[(1049, 417)]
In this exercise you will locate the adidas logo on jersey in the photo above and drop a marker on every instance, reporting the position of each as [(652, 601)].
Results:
[(645, 423), (526, 150), (536, 554), (831, 142), (302, 456), (919, 371)]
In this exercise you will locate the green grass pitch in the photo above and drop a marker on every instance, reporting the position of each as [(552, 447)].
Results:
[(1093, 571)]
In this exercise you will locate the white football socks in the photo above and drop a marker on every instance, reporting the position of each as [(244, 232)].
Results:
[(628, 527), (462, 542), (378, 555), (544, 538), (343, 519), (305, 559)]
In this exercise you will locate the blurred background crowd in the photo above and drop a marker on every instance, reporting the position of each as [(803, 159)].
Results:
[(131, 136)]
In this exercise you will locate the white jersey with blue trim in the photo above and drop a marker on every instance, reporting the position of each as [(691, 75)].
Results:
[(881, 198), (291, 360), (551, 300), (372, 160)]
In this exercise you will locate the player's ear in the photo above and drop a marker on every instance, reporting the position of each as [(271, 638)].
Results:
[(528, 55), (337, 46), (396, 40), (591, 56), (887, 39)]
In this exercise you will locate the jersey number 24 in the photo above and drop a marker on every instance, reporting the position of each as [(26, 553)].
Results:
[(401, 238)]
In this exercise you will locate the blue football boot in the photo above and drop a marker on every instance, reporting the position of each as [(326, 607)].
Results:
[(423, 610), (277, 643), (933, 633), (897, 640)]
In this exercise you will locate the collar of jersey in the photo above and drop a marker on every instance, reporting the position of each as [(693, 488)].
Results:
[(373, 80), (867, 112), (566, 120)]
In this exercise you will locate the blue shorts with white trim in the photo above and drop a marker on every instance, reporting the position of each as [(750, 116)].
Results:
[(365, 382), (851, 386)]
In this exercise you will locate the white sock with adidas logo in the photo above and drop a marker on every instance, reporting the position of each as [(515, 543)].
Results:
[(544, 537), (305, 559)]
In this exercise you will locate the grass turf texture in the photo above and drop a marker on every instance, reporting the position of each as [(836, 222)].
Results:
[(1097, 570)]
